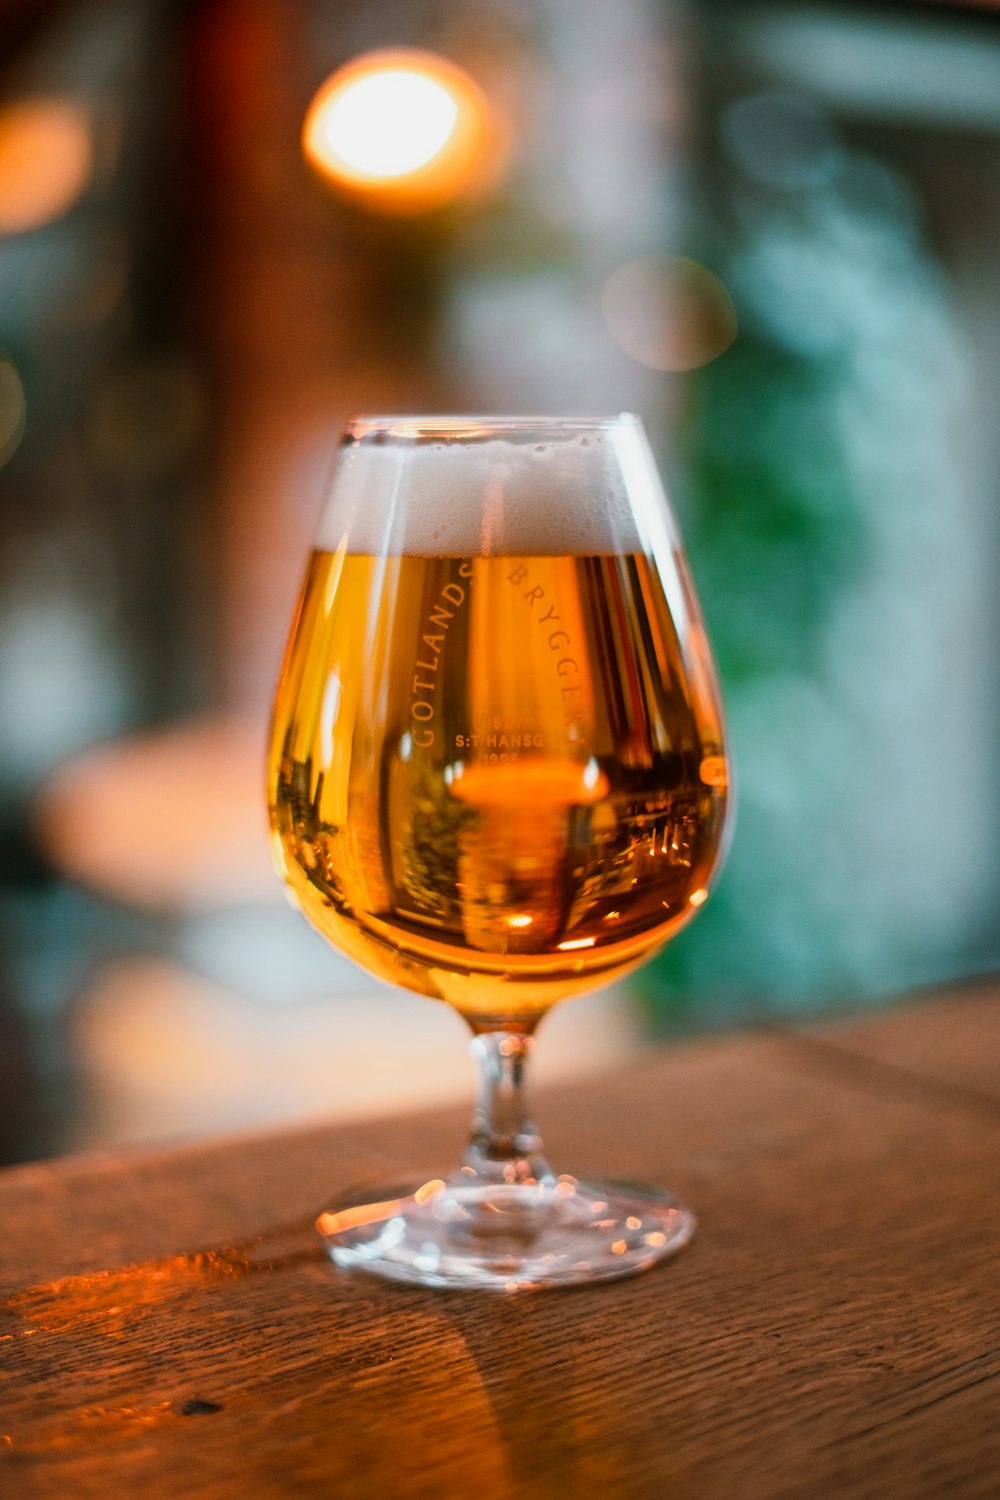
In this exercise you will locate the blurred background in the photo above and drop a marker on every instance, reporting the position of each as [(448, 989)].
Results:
[(771, 229)]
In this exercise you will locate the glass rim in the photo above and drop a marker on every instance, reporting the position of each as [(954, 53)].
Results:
[(414, 427)]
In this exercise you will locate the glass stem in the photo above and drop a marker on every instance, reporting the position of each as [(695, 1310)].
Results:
[(504, 1145)]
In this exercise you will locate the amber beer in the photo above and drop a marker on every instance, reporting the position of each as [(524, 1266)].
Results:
[(498, 781)]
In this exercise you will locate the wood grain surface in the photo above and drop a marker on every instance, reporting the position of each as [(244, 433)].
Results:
[(171, 1326)]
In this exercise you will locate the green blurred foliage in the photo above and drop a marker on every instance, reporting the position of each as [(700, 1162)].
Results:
[(813, 456)]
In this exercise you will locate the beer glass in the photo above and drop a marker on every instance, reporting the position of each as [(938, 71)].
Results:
[(497, 777)]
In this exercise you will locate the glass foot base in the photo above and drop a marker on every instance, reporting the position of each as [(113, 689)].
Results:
[(507, 1237)]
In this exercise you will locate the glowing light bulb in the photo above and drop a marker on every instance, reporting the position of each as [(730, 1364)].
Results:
[(403, 130), (388, 123)]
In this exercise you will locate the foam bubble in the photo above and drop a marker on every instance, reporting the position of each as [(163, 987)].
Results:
[(501, 496)]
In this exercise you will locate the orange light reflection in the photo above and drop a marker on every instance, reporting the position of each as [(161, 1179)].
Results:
[(541, 779), (376, 1213), (429, 1190)]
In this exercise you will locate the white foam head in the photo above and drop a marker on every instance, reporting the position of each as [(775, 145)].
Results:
[(479, 487)]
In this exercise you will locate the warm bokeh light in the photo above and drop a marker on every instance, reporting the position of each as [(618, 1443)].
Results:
[(668, 313), (13, 410), (404, 130), (362, 124), (195, 793), (45, 161)]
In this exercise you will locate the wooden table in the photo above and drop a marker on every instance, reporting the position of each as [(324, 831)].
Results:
[(172, 1327)]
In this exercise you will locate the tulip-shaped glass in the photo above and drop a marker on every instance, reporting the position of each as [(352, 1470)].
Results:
[(497, 777)]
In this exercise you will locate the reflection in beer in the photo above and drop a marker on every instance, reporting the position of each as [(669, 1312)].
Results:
[(531, 825)]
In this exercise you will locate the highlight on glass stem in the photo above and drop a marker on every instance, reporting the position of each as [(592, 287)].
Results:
[(498, 777)]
